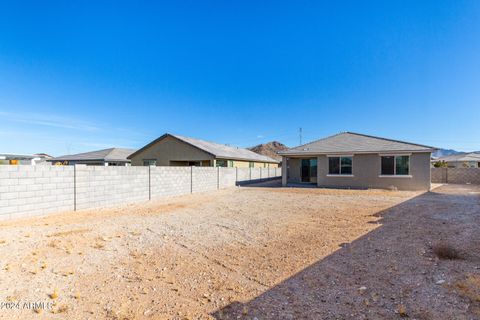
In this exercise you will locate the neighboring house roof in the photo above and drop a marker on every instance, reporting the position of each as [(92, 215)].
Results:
[(461, 157), (8, 156), (112, 154), (350, 142), (217, 150), (42, 155)]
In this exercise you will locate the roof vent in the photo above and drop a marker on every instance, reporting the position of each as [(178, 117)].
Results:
[(305, 149)]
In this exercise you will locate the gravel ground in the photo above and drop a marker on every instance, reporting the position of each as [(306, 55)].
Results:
[(264, 252)]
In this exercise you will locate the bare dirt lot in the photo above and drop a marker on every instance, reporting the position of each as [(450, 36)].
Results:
[(252, 252)]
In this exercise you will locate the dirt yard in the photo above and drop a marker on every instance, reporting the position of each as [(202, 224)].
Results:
[(251, 253)]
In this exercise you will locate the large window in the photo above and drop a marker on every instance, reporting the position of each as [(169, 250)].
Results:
[(395, 165), (340, 165)]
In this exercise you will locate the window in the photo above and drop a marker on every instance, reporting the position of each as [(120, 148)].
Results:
[(250, 164), (149, 162), (308, 170), (340, 165), (221, 163), (388, 165), (395, 165), (230, 163)]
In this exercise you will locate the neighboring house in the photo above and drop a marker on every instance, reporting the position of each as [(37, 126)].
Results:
[(355, 160), (175, 150), (105, 157), (461, 160), (23, 159)]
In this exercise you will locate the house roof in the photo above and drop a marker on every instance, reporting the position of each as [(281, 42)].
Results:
[(217, 150), (111, 154), (472, 156), (12, 156), (350, 142)]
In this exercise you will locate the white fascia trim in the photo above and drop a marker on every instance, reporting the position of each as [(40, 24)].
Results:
[(395, 176), (339, 155), (341, 175), (400, 152), (394, 154)]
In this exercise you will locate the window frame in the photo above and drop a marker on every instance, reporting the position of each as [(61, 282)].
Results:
[(395, 175), (150, 165), (340, 174)]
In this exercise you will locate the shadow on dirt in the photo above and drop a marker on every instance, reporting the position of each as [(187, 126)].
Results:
[(388, 273), (262, 183)]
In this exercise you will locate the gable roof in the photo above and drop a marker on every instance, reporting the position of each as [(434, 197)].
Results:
[(217, 150), (472, 156), (111, 154), (350, 142)]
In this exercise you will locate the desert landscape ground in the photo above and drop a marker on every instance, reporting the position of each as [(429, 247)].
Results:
[(258, 252)]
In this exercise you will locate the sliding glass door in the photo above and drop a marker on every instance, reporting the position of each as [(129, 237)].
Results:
[(308, 170)]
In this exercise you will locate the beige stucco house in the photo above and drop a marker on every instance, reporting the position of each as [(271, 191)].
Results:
[(354, 160), (176, 150)]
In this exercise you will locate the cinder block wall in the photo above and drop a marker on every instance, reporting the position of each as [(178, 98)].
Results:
[(34, 190), (463, 175), (204, 179), (243, 174), (456, 175), (98, 186), (170, 181), (264, 173), (256, 173), (439, 175), (227, 177)]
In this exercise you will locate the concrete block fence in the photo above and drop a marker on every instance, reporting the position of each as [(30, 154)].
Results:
[(456, 175), (36, 190)]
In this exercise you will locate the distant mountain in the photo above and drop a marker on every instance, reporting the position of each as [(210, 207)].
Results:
[(269, 149), (444, 152)]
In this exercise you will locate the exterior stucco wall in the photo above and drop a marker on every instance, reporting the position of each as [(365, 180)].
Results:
[(293, 170), (366, 173), (246, 164), (170, 149)]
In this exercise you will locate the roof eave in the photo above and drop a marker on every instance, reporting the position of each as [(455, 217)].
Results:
[(247, 159), (301, 153)]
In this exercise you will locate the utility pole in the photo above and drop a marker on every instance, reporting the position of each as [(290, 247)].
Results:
[(300, 135)]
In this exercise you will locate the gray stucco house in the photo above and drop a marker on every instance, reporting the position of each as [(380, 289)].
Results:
[(353, 160)]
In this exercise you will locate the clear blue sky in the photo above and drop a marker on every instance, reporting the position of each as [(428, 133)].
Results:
[(80, 76)]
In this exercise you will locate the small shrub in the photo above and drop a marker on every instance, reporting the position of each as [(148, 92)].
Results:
[(446, 252), (440, 164)]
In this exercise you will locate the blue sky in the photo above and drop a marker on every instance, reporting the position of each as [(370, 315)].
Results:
[(80, 76)]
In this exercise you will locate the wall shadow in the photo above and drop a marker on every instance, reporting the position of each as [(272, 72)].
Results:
[(274, 182), (389, 267)]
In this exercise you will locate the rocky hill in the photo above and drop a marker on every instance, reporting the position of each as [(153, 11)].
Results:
[(269, 149)]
